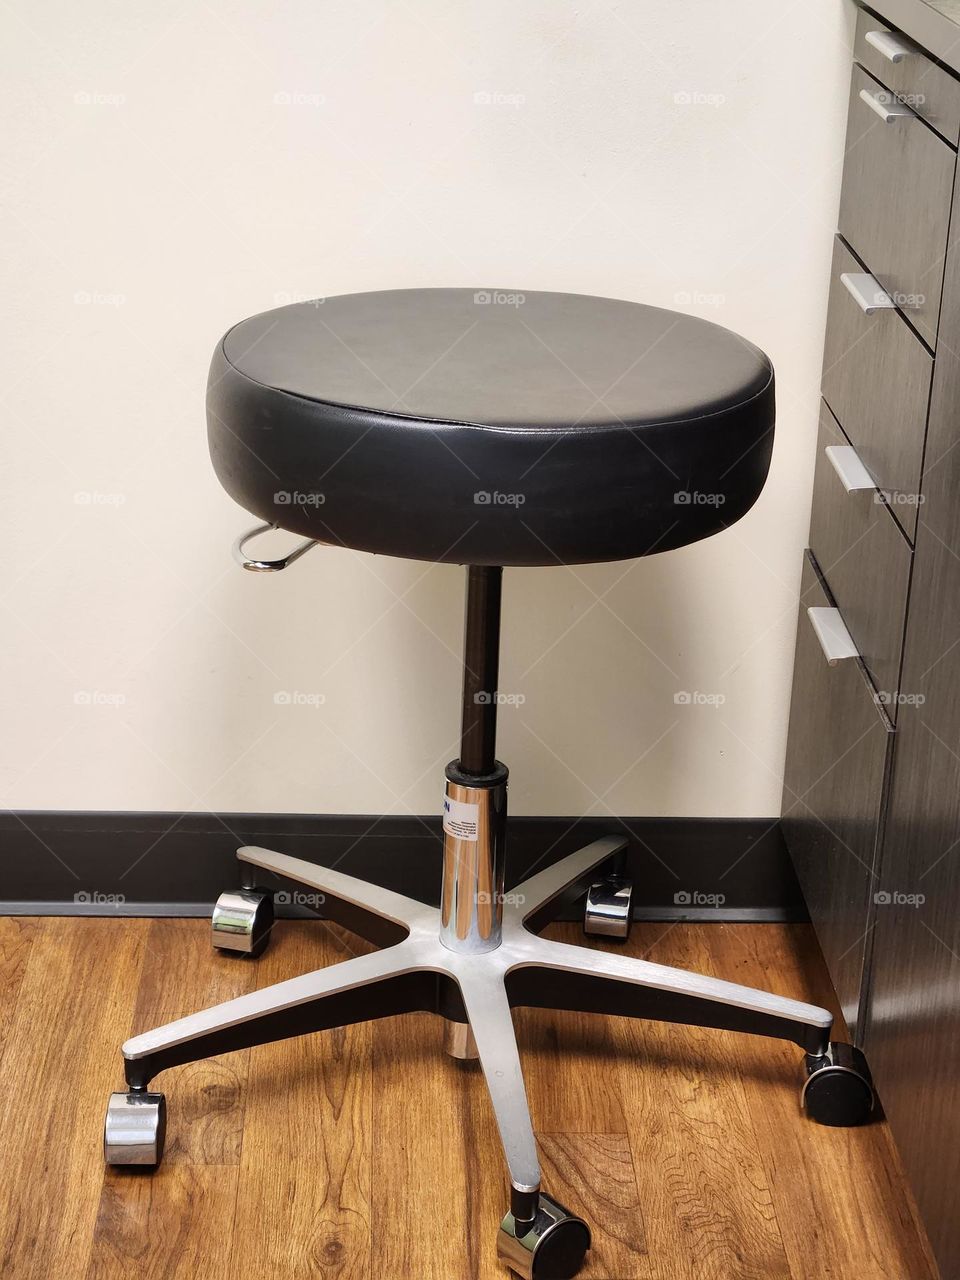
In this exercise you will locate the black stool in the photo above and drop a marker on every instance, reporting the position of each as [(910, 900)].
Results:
[(484, 429)]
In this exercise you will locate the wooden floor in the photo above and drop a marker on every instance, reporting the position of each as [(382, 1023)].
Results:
[(367, 1153)]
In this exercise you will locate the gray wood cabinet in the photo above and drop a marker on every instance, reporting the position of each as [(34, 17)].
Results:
[(871, 809), (833, 792)]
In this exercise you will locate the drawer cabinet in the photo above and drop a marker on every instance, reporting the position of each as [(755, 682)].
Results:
[(895, 199), (902, 66), (837, 760), (876, 379), (863, 555), (871, 800)]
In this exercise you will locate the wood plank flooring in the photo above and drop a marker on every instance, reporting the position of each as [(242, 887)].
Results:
[(367, 1154)]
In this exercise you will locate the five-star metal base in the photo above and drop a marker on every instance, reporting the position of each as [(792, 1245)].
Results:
[(414, 971)]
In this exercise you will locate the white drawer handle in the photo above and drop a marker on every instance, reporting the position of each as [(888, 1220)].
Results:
[(846, 462), (885, 105), (866, 291), (894, 48), (835, 640)]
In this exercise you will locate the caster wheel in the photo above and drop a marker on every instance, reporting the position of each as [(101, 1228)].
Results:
[(134, 1129), (552, 1247), (838, 1089), (242, 920), (609, 908)]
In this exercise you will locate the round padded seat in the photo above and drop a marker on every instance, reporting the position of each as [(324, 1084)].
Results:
[(490, 428)]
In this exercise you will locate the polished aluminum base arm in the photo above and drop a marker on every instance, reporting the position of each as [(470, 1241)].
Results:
[(542, 897), (419, 973)]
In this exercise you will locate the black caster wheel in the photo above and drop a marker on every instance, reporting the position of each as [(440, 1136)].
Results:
[(551, 1247), (609, 908), (134, 1129), (242, 921), (838, 1089)]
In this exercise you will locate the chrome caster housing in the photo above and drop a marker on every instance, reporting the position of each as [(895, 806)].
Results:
[(551, 1247), (609, 908), (838, 1090), (242, 920), (458, 1041), (134, 1129)]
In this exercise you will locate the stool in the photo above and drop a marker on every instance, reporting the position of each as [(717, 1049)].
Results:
[(485, 429)]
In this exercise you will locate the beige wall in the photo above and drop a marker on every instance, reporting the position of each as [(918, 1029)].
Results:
[(173, 174)]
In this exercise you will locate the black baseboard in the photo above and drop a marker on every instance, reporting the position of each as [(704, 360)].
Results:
[(153, 864)]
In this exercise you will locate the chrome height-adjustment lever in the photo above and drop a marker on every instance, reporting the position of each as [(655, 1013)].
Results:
[(268, 566)]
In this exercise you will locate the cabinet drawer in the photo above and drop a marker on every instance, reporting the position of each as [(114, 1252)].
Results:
[(903, 67), (863, 555), (895, 200), (876, 379), (834, 791)]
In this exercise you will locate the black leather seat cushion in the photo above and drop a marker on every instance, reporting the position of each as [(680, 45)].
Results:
[(443, 424)]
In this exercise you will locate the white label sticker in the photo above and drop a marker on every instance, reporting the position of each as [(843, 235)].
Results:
[(460, 819)]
